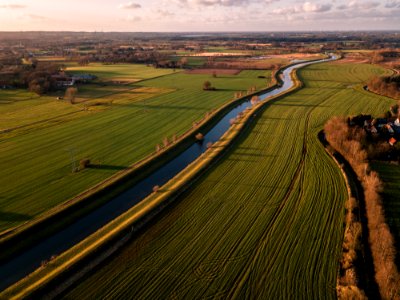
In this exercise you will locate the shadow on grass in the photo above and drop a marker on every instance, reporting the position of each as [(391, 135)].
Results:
[(106, 167), (13, 217), (301, 105), (160, 107)]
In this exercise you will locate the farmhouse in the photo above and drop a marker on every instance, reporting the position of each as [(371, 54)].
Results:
[(83, 78), (62, 80), (392, 141)]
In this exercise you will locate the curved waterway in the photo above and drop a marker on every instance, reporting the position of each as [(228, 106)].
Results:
[(29, 260)]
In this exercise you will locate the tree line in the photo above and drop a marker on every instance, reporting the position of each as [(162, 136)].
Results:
[(388, 86), (350, 142), (37, 77)]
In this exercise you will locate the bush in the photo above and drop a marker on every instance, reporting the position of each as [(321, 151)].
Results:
[(84, 163), (199, 136), (207, 86)]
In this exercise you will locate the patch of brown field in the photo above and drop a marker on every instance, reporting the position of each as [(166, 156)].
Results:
[(216, 71), (267, 64), (351, 61), (119, 80), (123, 82), (295, 55), (212, 54)]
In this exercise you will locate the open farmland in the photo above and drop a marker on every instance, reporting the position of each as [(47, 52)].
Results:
[(265, 222), (123, 126), (132, 72)]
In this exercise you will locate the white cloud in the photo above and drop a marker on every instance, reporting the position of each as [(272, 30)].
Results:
[(230, 3), (165, 13), (221, 2), (393, 4), (359, 5), (12, 6), (133, 19), (306, 7), (35, 17), (130, 5), (315, 7)]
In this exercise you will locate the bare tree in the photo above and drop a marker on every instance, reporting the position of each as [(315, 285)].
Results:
[(70, 94)]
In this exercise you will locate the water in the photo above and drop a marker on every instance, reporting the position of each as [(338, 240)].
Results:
[(25, 263)]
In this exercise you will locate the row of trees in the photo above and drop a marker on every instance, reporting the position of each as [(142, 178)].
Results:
[(346, 140), (158, 59), (386, 85)]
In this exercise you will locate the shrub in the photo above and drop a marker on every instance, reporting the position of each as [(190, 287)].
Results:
[(199, 136), (84, 163), (70, 94), (254, 100), (166, 142), (207, 86)]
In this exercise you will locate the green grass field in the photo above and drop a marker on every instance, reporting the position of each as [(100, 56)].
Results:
[(118, 71), (124, 126), (390, 175), (265, 222)]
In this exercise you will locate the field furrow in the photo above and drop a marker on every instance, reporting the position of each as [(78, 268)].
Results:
[(36, 161), (265, 222)]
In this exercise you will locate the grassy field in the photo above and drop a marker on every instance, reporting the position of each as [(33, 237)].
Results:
[(265, 222), (130, 72), (123, 126), (390, 175), (192, 61)]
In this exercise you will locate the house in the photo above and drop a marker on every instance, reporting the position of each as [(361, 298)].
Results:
[(63, 81), (392, 141), (381, 121), (367, 123), (374, 130), (83, 78), (389, 128)]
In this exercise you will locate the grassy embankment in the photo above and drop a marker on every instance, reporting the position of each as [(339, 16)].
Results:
[(36, 167), (255, 209), (267, 222)]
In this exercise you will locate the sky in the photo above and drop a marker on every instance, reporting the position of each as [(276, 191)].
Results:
[(198, 15)]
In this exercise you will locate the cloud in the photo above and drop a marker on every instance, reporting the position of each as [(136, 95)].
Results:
[(165, 13), (133, 19), (393, 4), (314, 7), (221, 2), (12, 6), (227, 3), (348, 16), (359, 5), (130, 5), (307, 7), (286, 10), (35, 17)]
